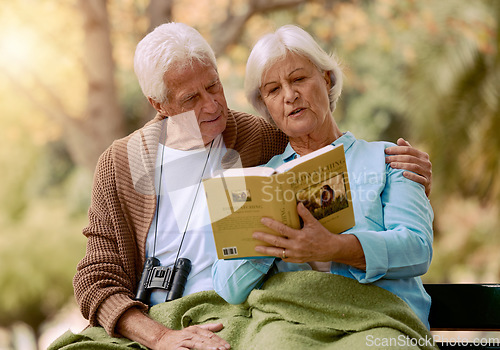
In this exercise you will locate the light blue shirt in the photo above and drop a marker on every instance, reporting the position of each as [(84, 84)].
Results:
[(393, 224)]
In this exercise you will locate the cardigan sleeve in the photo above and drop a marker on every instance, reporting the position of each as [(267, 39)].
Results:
[(274, 141), (103, 288)]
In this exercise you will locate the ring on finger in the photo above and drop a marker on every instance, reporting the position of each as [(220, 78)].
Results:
[(283, 256)]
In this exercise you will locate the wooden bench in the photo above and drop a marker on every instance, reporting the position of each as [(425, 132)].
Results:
[(465, 307)]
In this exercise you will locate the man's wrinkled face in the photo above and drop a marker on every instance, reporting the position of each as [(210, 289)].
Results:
[(199, 89)]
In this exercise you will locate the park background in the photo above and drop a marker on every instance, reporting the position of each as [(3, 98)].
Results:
[(425, 70)]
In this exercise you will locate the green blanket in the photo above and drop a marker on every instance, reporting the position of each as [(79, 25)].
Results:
[(293, 310)]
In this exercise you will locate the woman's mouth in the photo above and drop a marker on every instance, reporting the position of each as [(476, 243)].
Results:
[(296, 112)]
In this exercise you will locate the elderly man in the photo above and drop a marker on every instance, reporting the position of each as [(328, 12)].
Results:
[(193, 134)]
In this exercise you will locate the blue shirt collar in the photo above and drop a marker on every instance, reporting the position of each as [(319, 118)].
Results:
[(347, 139)]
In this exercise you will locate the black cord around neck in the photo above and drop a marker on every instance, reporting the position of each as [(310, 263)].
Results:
[(192, 206), (158, 200), (194, 201)]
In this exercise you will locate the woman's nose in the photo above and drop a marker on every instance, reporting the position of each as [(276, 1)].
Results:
[(290, 94)]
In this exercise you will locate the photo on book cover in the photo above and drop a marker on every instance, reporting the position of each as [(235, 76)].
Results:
[(326, 197), (241, 196)]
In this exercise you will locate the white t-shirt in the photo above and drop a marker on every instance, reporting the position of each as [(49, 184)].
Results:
[(181, 175)]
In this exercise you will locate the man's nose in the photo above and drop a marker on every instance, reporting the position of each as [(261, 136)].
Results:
[(209, 103)]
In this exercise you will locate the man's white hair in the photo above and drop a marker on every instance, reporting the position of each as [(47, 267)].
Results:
[(170, 45), (273, 47)]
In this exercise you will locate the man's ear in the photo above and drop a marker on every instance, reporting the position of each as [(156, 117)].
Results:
[(328, 78), (156, 105)]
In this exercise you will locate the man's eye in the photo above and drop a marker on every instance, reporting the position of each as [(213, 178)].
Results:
[(213, 88), (189, 100)]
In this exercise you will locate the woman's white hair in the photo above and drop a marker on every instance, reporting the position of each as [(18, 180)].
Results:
[(273, 47), (168, 45)]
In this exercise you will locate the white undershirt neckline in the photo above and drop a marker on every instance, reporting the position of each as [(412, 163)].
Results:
[(181, 175)]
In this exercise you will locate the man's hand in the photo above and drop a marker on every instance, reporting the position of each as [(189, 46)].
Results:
[(139, 327), (194, 337), (404, 156)]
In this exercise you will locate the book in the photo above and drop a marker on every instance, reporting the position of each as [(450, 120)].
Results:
[(238, 198)]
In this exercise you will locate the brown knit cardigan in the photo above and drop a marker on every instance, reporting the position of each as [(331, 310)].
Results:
[(122, 209)]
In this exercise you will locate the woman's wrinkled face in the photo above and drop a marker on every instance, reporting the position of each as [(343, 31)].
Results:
[(295, 93)]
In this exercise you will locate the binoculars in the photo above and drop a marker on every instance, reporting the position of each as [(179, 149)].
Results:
[(172, 279)]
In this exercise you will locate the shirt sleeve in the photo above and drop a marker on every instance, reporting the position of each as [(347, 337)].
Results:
[(404, 248), (233, 280)]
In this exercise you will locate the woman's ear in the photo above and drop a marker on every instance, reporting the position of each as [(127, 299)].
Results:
[(259, 98)]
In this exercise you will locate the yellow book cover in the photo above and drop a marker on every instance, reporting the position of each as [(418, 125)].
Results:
[(238, 198)]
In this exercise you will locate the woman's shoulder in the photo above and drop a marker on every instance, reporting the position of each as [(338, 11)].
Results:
[(369, 156), (374, 150), (373, 146)]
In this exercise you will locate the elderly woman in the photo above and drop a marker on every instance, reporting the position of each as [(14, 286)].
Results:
[(293, 81)]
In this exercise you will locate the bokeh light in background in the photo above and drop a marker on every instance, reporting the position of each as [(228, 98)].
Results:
[(17, 47)]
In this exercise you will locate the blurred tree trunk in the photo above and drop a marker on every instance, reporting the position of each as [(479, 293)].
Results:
[(103, 120), (160, 11)]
